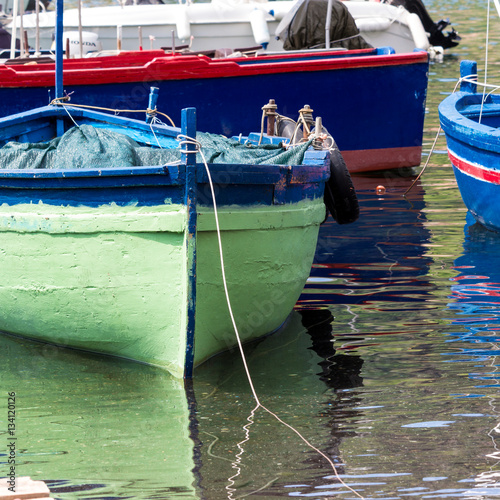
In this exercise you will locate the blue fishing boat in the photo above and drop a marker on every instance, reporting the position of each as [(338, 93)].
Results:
[(470, 120)]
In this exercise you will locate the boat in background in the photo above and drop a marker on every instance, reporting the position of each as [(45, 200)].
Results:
[(470, 121), (220, 24), (229, 93)]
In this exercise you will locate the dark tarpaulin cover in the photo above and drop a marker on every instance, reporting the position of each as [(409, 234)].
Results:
[(91, 147), (307, 27)]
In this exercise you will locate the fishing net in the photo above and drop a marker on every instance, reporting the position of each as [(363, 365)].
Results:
[(87, 147)]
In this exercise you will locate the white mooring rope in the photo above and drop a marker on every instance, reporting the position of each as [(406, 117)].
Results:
[(189, 140)]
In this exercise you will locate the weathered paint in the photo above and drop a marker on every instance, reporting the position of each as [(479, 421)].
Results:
[(119, 289), (268, 252), (190, 200)]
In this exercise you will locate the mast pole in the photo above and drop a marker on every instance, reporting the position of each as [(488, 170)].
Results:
[(59, 48)]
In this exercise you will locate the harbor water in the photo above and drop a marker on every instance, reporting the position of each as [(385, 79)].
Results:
[(387, 367)]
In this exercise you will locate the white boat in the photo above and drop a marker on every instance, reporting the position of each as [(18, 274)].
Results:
[(220, 24)]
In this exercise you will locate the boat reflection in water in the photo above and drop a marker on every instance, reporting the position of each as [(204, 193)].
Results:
[(310, 372), (476, 291), (379, 264), (476, 304), (298, 374), (98, 427)]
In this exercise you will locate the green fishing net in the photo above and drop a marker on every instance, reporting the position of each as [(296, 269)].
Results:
[(91, 147)]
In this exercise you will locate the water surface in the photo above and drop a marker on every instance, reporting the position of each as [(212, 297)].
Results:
[(388, 365)]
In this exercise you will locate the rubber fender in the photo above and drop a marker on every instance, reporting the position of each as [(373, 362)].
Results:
[(259, 27), (340, 196)]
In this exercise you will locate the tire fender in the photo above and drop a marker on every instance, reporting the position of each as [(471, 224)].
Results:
[(340, 196)]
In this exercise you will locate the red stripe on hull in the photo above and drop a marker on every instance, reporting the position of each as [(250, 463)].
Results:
[(369, 160), (481, 173), (148, 66)]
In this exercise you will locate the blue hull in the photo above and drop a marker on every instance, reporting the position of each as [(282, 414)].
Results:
[(473, 140)]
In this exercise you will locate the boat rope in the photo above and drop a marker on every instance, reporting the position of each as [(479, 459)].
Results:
[(157, 121), (188, 140), (293, 140), (333, 42), (426, 162), (62, 101), (485, 58), (69, 114)]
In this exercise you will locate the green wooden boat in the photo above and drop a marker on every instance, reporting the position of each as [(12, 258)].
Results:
[(118, 253)]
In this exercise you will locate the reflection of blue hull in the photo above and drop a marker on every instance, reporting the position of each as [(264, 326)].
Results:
[(476, 294), (478, 282), (351, 93), (473, 140)]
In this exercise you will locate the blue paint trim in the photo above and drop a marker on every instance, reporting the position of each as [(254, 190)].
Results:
[(148, 185), (459, 115), (189, 159)]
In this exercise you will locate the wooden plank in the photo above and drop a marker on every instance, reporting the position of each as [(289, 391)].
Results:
[(24, 488), (188, 158)]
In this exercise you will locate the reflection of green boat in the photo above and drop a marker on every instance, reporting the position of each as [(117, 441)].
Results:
[(94, 427), (104, 428)]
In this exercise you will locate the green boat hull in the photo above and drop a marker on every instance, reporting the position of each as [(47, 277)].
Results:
[(115, 280)]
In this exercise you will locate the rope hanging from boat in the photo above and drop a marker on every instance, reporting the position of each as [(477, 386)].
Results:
[(469, 79), (184, 140), (61, 101), (426, 162), (486, 58)]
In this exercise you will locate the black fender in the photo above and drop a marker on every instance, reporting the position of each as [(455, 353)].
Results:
[(340, 196)]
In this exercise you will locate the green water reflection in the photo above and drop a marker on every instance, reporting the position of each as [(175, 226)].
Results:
[(96, 427)]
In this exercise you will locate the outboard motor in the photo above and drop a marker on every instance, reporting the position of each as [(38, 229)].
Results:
[(437, 36)]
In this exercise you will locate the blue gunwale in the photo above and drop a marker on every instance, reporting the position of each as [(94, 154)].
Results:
[(146, 185), (472, 134), (459, 115)]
